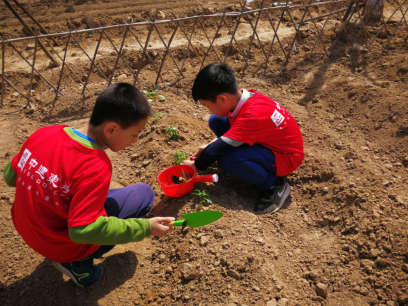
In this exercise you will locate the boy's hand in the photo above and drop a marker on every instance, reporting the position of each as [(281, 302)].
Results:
[(188, 162), (161, 225), (199, 150)]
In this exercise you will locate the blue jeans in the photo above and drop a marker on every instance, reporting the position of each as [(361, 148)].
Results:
[(133, 201), (254, 164)]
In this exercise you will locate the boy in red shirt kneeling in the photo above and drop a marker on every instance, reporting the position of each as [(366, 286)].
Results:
[(63, 207), (257, 140)]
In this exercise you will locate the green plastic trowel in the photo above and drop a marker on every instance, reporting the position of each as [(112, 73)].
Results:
[(199, 218)]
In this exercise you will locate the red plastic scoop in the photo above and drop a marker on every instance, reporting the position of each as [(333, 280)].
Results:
[(187, 176)]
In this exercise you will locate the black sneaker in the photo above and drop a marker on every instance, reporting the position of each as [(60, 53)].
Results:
[(272, 200), (81, 272)]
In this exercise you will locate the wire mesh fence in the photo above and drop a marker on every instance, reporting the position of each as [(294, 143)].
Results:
[(169, 52)]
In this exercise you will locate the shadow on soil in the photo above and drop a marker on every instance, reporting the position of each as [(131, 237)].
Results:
[(47, 286)]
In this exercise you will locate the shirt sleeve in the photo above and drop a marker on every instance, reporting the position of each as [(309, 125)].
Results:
[(111, 231), (10, 176), (248, 128), (90, 192), (212, 153)]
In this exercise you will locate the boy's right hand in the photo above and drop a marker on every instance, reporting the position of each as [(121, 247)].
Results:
[(199, 150), (161, 225)]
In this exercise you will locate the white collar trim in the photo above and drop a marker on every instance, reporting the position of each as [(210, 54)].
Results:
[(244, 97)]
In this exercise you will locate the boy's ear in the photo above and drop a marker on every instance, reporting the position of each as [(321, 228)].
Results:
[(221, 99), (109, 129)]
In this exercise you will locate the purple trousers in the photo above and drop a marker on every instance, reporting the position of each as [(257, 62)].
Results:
[(132, 201)]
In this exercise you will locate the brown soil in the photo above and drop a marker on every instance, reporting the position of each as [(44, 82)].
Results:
[(341, 239)]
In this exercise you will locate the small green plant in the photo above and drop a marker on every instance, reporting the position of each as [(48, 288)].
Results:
[(185, 176), (179, 157), (172, 133), (203, 195), (156, 116), (152, 95)]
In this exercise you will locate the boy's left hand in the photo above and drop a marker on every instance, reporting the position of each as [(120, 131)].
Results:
[(189, 162)]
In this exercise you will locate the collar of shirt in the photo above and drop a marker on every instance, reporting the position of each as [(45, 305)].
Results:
[(78, 133), (244, 97)]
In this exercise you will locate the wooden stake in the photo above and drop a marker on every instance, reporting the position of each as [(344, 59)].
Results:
[(36, 22), (31, 32)]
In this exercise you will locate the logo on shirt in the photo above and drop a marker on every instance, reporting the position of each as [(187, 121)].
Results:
[(26, 155), (277, 118), (36, 175)]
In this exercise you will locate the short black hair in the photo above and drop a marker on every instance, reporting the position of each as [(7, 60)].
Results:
[(213, 80), (122, 103)]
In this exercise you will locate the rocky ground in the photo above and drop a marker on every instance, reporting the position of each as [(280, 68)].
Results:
[(341, 239)]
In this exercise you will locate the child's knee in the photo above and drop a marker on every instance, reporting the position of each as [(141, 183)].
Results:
[(212, 123), (142, 196), (219, 125), (147, 192)]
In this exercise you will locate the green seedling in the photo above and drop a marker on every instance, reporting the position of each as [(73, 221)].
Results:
[(185, 176), (156, 116), (172, 133), (152, 95), (181, 179), (203, 195), (179, 157)]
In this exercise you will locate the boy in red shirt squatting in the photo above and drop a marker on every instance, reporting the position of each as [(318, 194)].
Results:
[(257, 140), (63, 207)]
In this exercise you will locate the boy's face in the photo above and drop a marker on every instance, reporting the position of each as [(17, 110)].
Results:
[(221, 107), (119, 139)]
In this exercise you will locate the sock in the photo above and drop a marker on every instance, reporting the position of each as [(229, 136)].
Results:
[(279, 181)]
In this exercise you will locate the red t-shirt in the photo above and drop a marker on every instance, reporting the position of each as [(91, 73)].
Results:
[(60, 184), (264, 121)]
